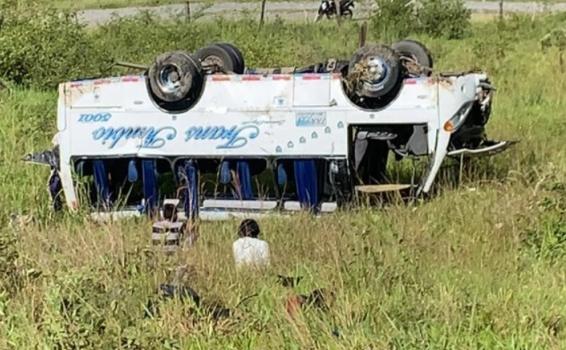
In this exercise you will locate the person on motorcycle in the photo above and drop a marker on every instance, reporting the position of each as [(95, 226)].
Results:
[(328, 8)]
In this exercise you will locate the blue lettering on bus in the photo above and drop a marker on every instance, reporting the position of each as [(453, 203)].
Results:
[(94, 117), (151, 137), (231, 136)]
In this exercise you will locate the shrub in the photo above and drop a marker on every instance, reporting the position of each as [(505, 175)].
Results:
[(444, 18), (438, 18), (41, 47), (394, 19)]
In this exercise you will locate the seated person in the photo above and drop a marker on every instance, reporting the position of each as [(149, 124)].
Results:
[(169, 228), (169, 217), (249, 250), (170, 212)]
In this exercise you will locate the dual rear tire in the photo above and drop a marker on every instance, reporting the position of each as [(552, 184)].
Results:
[(376, 72), (373, 79), (176, 79), (223, 57), (416, 56)]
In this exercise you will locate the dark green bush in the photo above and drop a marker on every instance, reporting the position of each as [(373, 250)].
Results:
[(395, 19), (41, 47), (444, 18)]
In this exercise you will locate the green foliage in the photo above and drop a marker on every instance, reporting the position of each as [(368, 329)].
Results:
[(444, 18), (448, 19), (394, 19), (556, 38), (24, 127), (547, 240), (42, 47), (102, 305), (9, 271), (74, 312)]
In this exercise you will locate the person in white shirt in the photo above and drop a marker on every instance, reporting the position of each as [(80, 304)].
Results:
[(249, 250)]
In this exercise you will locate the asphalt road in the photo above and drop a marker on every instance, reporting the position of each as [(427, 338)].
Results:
[(300, 10)]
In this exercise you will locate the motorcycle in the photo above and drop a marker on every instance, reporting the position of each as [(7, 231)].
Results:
[(328, 8)]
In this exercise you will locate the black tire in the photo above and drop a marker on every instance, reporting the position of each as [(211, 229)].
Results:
[(238, 57), (218, 54), (175, 77), (417, 51), (185, 91), (374, 83)]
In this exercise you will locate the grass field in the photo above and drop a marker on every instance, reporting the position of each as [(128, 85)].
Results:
[(477, 266)]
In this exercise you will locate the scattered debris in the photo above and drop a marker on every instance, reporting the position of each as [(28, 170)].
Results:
[(181, 292), (318, 298), (289, 282), (215, 310), (20, 221)]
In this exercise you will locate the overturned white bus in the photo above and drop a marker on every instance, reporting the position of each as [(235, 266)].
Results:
[(219, 136)]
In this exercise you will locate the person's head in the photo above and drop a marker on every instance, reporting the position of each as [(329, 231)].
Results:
[(249, 228), (170, 212)]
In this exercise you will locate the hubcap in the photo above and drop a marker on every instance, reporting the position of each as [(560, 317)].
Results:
[(375, 74), (169, 78)]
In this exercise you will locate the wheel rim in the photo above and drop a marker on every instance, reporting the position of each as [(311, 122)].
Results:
[(169, 79), (376, 73), (214, 60)]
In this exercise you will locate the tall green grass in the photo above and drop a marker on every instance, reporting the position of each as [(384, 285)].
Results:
[(479, 265)]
